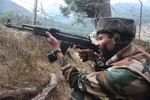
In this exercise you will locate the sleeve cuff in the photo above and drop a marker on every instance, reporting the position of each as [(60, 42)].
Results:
[(63, 63)]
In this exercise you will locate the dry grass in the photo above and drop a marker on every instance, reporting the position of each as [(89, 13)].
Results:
[(23, 61)]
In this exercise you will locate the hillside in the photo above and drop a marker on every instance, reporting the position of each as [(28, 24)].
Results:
[(9, 6), (131, 10), (127, 10), (23, 63)]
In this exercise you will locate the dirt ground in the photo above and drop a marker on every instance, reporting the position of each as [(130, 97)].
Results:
[(23, 63)]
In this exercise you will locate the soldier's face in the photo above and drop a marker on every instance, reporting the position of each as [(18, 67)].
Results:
[(106, 43)]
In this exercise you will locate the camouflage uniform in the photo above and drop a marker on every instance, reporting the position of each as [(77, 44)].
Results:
[(128, 78)]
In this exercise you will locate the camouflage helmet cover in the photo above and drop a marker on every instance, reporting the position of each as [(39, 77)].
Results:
[(116, 25)]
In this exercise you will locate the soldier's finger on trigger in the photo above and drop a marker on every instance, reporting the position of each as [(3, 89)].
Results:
[(82, 54), (90, 53)]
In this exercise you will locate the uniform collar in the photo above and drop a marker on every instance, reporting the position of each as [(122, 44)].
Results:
[(128, 50)]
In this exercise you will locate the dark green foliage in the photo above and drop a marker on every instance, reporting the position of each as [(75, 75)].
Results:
[(90, 8), (83, 9)]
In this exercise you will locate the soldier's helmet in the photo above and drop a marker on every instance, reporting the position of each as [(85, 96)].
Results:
[(123, 26)]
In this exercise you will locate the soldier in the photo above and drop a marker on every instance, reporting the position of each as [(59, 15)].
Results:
[(122, 71)]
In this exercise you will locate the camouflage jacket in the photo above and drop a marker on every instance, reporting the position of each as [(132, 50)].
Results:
[(128, 78)]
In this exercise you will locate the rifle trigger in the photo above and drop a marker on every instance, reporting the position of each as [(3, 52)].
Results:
[(90, 38)]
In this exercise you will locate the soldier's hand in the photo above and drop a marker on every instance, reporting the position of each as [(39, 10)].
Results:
[(53, 41), (88, 54)]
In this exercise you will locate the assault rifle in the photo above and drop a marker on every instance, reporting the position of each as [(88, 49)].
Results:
[(66, 38)]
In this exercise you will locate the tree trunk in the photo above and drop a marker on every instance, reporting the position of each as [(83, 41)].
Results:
[(106, 8)]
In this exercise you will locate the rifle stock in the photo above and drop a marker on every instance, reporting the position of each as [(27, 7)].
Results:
[(66, 38)]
